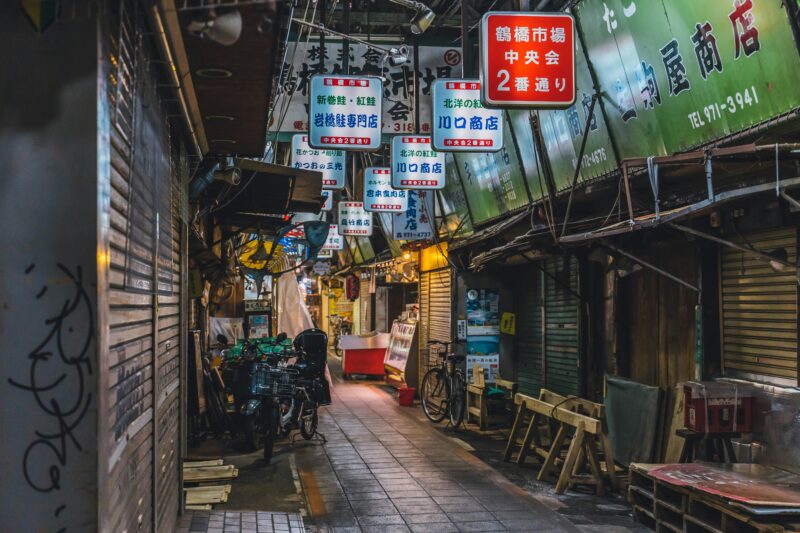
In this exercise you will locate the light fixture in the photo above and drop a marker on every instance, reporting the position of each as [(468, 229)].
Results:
[(406, 256), (213, 73), (423, 18), (398, 56), (780, 259), (224, 29)]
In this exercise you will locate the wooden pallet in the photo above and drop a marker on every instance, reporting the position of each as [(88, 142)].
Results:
[(207, 495), (209, 473), (669, 508)]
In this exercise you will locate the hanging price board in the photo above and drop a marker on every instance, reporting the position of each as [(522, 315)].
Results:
[(328, 195), (415, 165), (345, 112), (330, 162), (354, 220), (460, 122), (416, 222), (379, 195), (527, 59), (334, 241)]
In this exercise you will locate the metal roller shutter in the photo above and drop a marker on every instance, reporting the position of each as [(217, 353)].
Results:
[(759, 309), (529, 334), (561, 326), (144, 293), (435, 312)]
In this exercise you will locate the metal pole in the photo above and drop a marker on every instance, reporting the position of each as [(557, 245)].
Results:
[(654, 268), (415, 44), (346, 42), (466, 51), (755, 253), (580, 161)]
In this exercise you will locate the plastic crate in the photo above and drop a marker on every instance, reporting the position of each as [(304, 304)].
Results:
[(718, 407), (276, 381)]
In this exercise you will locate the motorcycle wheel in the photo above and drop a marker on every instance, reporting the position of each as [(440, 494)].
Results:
[(271, 414), (308, 422), (250, 433)]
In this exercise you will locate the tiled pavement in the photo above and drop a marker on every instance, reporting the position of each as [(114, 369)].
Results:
[(383, 470), (240, 522)]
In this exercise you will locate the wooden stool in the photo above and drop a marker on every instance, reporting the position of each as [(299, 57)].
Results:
[(719, 443)]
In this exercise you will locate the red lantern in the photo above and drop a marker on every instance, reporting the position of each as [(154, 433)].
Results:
[(351, 287)]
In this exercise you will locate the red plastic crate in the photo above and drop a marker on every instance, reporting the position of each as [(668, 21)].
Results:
[(717, 407)]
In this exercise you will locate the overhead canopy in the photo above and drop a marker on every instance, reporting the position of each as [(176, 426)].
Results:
[(267, 194)]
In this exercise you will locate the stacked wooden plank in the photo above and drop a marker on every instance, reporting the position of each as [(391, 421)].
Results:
[(202, 495), (667, 503)]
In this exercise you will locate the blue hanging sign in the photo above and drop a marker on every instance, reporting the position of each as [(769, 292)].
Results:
[(460, 122), (379, 195), (415, 165)]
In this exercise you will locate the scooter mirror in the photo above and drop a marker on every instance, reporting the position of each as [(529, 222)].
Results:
[(281, 337)]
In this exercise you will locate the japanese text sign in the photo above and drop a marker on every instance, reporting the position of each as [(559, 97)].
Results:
[(328, 195), (415, 165), (354, 220), (345, 112), (330, 162), (379, 195), (334, 241), (528, 59), (416, 222), (460, 122)]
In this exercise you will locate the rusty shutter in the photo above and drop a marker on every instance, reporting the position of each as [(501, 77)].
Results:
[(759, 309), (561, 325), (529, 333), (434, 312), (144, 293)]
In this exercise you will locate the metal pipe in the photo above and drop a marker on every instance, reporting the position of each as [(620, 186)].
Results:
[(752, 251), (654, 268), (580, 162), (335, 33), (790, 199)]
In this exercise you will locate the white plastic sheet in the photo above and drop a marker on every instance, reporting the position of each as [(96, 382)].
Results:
[(293, 316)]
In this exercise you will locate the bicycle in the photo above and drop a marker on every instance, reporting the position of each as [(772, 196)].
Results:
[(444, 388)]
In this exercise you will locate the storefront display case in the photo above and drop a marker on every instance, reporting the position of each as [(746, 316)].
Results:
[(401, 362)]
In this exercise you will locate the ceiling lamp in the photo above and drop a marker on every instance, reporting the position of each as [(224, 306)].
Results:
[(223, 29), (398, 56), (423, 18)]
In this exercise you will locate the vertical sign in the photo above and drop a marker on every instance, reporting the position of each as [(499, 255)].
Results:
[(379, 195), (354, 220), (328, 195), (416, 223), (528, 59), (345, 112), (460, 122), (334, 241), (330, 162), (415, 165)]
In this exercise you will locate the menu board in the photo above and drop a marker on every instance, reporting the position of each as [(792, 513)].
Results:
[(400, 340)]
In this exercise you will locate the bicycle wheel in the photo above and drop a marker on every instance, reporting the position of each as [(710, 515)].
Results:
[(435, 394), (457, 399)]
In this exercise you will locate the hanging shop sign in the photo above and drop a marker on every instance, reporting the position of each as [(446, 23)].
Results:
[(379, 195), (330, 162), (460, 122), (322, 268), (328, 204), (345, 112), (527, 59), (305, 59), (323, 254), (678, 74), (415, 223), (334, 241), (354, 220), (415, 165)]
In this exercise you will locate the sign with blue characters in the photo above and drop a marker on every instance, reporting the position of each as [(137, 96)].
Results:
[(379, 195), (354, 220), (460, 122), (334, 241), (415, 165), (329, 162), (345, 112), (328, 195), (416, 222)]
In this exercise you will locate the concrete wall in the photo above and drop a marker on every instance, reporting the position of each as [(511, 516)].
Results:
[(48, 274)]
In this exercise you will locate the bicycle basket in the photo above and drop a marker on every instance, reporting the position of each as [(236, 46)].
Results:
[(276, 381)]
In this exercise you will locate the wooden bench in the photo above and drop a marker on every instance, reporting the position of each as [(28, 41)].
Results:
[(477, 398), (567, 414)]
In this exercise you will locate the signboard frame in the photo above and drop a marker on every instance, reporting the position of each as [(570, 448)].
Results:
[(440, 85), (375, 141), (401, 141)]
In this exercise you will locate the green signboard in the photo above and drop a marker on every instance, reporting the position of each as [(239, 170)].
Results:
[(386, 225), (562, 133), (493, 182), (520, 121), (365, 246), (676, 74), (454, 202)]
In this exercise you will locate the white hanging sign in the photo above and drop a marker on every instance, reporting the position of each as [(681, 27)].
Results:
[(334, 241), (328, 195), (354, 220), (325, 253), (379, 195), (345, 112), (416, 222), (329, 162), (415, 165), (460, 122)]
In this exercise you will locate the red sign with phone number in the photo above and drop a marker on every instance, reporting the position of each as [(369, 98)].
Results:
[(527, 59)]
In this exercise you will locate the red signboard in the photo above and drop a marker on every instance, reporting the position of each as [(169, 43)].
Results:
[(528, 59)]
